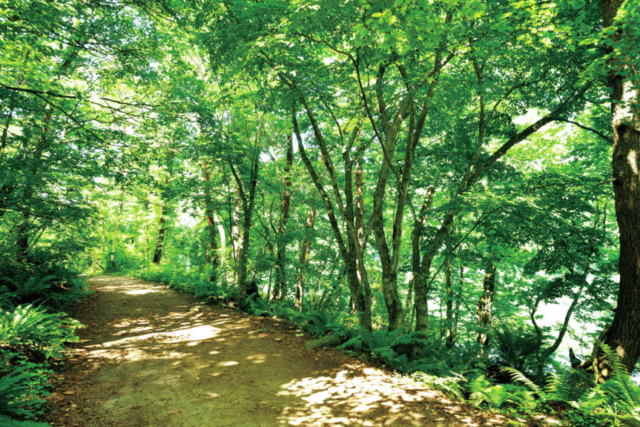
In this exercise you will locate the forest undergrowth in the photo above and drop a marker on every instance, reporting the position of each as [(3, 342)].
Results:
[(34, 332)]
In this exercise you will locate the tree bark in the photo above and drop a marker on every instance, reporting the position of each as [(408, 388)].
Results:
[(212, 256), (419, 282), (456, 311), (236, 230), (485, 304), (280, 289), (351, 251), (623, 336), (447, 330), (302, 260), (248, 204), (389, 256), (162, 228), (157, 252)]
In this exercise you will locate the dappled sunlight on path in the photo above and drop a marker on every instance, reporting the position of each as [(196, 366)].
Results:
[(369, 397), (153, 357)]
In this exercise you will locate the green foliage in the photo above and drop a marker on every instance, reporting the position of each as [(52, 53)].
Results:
[(29, 337), (122, 138), (452, 385), (483, 391), (180, 279), (318, 322), (41, 278), (6, 421), (619, 395), (397, 349), (18, 396), (30, 327), (273, 308), (517, 347)]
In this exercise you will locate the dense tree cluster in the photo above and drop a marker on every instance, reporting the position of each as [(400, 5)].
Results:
[(433, 166)]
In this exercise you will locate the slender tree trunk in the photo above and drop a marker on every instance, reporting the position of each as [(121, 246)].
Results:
[(421, 299), (389, 256), (302, 260), (157, 252), (447, 330), (623, 334), (113, 242), (350, 250), (563, 330), (162, 227), (248, 204), (409, 299), (328, 291), (280, 289), (212, 256), (485, 304), (421, 304), (236, 230), (456, 311)]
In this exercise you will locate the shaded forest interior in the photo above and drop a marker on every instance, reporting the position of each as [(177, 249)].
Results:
[(447, 188)]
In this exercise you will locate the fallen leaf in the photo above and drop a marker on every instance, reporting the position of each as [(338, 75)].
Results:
[(175, 412)]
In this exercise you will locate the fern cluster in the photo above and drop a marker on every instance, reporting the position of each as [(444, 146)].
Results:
[(315, 322), (481, 390), (30, 327), (43, 279), (6, 421), (29, 337), (16, 388), (406, 352), (517, 347), (619, 395)]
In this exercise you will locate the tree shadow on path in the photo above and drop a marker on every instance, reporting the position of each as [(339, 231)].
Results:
[(150, 356)]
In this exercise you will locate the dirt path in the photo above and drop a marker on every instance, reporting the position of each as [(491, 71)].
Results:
[(151, 356)]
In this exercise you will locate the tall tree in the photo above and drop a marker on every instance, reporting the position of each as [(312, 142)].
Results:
[(621, 22)]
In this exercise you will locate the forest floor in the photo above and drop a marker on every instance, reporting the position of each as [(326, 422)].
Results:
[(151, 356)]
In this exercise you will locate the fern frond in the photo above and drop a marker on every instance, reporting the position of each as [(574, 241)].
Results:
[(409, 339), (355, 343), (5, 421), (520, 377)]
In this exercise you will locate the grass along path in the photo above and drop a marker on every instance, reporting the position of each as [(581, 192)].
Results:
[(151, 356)]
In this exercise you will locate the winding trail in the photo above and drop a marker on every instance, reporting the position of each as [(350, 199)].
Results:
[(150, 356)]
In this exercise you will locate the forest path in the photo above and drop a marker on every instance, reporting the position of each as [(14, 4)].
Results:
[(151, 356)]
